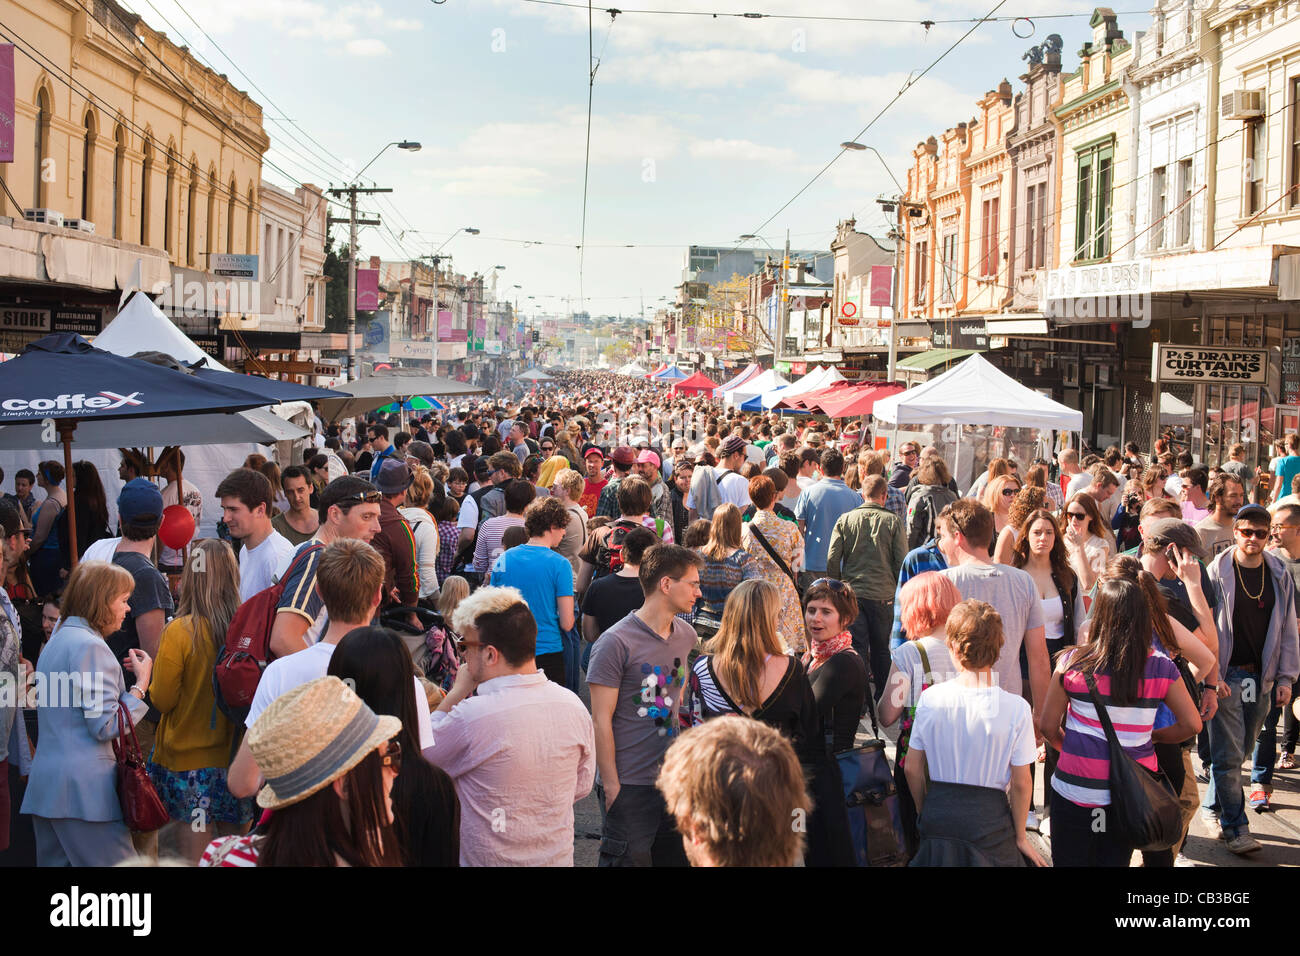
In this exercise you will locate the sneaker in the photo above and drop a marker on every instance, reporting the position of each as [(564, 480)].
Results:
[(1181, 860), (1258, 801), (1244, 843), (1287, 762), (1032, 821)]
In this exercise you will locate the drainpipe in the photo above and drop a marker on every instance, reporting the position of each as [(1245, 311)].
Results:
[(1212, 135), (1131, 94)]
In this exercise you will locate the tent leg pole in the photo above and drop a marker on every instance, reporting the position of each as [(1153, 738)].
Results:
[(956, 457), (66, 428)]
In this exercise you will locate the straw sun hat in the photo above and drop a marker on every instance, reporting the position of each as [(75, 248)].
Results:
[(312, 735)]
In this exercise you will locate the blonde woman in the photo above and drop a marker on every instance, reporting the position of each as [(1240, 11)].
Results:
[(726, 565), (777, 546), (567, 489), (72, 790), (454, 590), (744, 670), (424, 528), (193, 744), (998, 495)]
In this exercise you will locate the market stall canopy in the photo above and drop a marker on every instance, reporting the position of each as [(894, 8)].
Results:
[(759, 384), (857, 399), (755, 404), (1174, 411), (142, 327), (697, 384), (254, 425), (823, 376), (671, 374), (977, 393), (748, 372), (631, 368), (394, 385), (534, 375), (811, 401), (657, 371)]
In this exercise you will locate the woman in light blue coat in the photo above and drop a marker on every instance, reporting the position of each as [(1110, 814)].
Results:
[(72, 790)]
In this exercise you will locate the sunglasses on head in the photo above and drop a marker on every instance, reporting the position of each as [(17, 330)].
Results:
[(365, 497), (835, 584), (1260, 533)]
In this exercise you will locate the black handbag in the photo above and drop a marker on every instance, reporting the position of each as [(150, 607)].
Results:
[(1144, 807)]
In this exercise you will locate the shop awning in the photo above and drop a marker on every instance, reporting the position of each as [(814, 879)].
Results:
[(924, 361), (1029, 323)]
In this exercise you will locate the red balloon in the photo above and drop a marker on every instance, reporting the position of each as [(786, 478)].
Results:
[(177, 527)]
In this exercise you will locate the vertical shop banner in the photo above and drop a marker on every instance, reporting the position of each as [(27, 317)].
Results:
[(882, 286), (444, 325), (367, 290), (6, 102), (480, 334), (377, 338)]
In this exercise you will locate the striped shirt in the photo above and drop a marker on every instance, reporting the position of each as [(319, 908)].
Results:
[(1083, 773), (231, 851), (918, 561)]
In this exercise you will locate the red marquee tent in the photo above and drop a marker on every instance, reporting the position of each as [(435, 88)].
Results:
[(697, 384), (856, 400)]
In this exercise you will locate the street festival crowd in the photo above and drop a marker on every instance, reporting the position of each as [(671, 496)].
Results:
[(469, 619)]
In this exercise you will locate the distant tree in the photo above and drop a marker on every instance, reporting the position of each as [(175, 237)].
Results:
[(336, 290)]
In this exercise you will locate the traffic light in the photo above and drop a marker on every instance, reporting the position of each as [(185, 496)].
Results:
[(535, 337)]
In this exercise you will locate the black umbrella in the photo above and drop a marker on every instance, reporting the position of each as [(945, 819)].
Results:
[(62, 379)]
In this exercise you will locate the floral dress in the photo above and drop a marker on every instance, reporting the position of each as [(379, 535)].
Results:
[(784, 538)]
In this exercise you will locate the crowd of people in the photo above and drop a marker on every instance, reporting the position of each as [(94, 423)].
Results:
[(468, 620)]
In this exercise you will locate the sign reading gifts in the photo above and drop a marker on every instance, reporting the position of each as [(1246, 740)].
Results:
[(1195, 363)]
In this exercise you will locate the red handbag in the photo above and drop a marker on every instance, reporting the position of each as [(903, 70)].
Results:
[(142, 808)]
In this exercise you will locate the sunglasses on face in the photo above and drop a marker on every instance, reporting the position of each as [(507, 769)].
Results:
[(393, 755), (1077, 516), (463, 645), (1010, 492), (1258, 533)]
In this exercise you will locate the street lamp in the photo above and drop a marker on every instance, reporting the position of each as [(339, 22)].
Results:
[(352, 189), (897, 235)]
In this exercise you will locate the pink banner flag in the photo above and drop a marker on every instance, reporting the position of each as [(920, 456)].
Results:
[(882, 286), (367, 290), (444, 326), (6, 102)]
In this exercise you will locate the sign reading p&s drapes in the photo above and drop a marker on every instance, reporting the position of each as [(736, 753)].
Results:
[(1212, 364)]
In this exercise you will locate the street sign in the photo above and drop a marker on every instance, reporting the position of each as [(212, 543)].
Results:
[(1212, 364)]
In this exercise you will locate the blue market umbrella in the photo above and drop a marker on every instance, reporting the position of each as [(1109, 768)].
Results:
[(64, 378), (271, 390)]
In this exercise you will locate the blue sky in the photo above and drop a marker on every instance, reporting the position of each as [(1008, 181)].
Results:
[(701, 128)]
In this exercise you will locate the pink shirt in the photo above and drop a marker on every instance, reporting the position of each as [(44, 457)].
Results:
[(522, 752)]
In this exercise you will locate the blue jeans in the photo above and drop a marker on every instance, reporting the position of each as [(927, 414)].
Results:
[(572, 639), (1234, 728), (1264, 759)]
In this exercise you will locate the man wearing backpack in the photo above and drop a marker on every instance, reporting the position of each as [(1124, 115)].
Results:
[(602, 552), (350, 578), (624, 458)]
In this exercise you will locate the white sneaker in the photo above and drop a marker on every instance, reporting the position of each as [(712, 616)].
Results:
[(1211, 822), (1181, 860)]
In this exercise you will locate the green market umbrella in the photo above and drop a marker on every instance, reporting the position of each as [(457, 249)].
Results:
[(417, 404)]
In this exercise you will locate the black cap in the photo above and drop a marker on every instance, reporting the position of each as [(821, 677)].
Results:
[(1255, 514)]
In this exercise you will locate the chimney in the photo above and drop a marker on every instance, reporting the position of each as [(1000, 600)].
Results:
[(1104, 29), (1004, 90)]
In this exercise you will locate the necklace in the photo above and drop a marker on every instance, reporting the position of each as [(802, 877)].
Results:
[(1262, 581)]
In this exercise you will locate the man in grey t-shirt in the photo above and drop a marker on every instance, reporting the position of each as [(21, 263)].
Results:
[(963, 531), (637, 673)]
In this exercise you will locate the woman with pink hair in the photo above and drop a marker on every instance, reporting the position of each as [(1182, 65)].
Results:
[(921, 661)]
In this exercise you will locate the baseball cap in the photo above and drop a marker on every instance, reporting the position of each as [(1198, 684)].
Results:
[(624, 455), (733, 444), (589, 449), (1167, 531), (1255, 514), (140, 503), (647, 457)]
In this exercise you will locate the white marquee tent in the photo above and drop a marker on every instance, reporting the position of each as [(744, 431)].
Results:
[(760, 384), (820, 377)]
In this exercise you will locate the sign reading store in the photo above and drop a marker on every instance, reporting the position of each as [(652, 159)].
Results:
[(36, 321), (1210, 364)]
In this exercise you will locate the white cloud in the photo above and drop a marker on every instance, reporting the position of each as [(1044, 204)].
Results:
[(744, 151), (560, 142), (368, 46), (489, 181)]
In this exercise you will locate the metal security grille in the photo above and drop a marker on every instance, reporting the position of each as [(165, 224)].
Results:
[(1137, 416)]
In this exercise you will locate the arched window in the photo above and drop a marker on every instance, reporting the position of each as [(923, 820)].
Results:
[(169, 241), (192, 198), (146, 203), (212, 216), (42, 147), (230, 217), (119, 183), (88, 168)]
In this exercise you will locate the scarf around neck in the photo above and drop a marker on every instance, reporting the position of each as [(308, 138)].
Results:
[(819, 652)]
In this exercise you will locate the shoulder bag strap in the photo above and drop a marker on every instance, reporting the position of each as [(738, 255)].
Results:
[(773, 555), (926, 676), (1101, 712)]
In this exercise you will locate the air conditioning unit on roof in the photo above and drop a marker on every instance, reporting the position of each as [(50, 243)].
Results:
[(1242, 104), (81, 225), (51, 217)]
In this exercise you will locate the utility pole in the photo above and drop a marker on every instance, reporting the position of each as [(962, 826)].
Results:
[(352, 221), (893, 320), (783, 313)]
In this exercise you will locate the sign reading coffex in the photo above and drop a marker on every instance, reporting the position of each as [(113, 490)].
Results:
[(1193, 363)]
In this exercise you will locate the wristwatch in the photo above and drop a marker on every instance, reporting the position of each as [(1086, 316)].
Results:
[(1207, 685)]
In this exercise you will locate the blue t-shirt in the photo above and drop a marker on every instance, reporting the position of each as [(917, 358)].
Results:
[(1287, 468), (541, 575), (819, 508)]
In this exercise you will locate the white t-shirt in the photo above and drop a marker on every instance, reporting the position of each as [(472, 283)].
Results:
[(102, 550), (734, 489), (1079, 482), (972, 735), (467, 519), (262, 566), (285, 673)]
